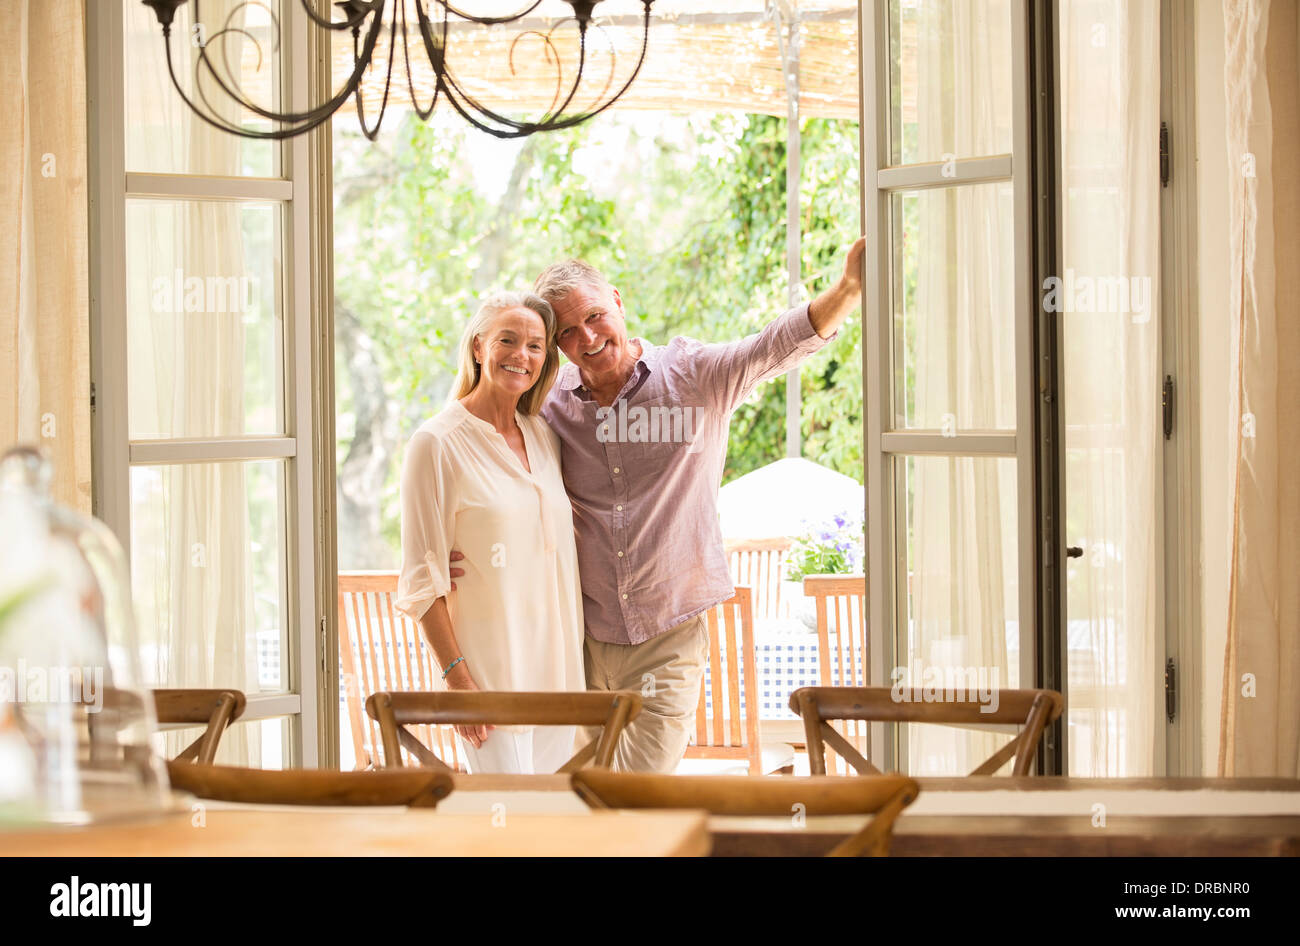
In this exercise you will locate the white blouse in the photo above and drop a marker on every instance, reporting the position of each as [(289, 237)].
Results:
[(517, 612)]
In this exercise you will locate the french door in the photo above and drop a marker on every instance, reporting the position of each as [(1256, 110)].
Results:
[(1017, 352), (948, 319), (202, 373)]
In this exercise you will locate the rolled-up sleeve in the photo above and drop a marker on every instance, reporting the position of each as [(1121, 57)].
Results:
[(428, 524), (728, 372)]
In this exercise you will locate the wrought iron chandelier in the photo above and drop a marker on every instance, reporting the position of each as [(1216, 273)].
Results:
[(366, 20)]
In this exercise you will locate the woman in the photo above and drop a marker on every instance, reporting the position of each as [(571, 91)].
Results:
[(483, 477)]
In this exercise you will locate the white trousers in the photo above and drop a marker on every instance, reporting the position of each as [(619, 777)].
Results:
[(541, 750)]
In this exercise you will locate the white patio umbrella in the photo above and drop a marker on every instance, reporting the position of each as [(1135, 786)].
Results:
[(780, 499)]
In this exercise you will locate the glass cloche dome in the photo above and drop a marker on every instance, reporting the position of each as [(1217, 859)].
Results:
[(75, 721)]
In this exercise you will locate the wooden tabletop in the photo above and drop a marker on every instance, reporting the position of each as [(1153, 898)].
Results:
[(356, 832), (1021, 836), (1004, 816)]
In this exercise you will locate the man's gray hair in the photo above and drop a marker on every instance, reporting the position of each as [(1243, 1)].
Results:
[(559, 279)]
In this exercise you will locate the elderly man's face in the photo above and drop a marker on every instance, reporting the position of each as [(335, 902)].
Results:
[(592, 333)]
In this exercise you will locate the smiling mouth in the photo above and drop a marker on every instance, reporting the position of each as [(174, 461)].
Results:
[(513, 369), (592, 354)]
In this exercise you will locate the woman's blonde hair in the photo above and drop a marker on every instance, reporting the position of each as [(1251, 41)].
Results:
[(469, 372)]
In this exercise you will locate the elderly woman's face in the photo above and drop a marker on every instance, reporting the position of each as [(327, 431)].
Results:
[(512, 350)]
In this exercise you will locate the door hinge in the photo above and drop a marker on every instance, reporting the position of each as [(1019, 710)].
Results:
[(1167, 405), (1164, 154), (323, 641), (1171, 690), (92, 397)]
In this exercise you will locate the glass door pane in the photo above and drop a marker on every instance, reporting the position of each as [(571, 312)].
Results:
[(950, 507), (954, 308), (950, 70)]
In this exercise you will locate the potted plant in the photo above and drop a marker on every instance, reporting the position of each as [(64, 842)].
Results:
[(830, 547)]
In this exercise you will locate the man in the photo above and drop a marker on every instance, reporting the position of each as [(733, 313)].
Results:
[(644, 431)]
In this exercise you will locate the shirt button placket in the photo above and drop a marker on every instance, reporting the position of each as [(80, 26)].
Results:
[(614, 451)]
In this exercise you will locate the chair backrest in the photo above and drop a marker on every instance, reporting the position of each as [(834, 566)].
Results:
[(213, 709), (840, 602), (759, 564), (883, 796), (726, 718), (383, 650), (610, 709), (416, 788), (1034, 709)]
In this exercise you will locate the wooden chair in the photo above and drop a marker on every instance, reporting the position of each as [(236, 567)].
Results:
[(759, 564), (611, 710), (383, 650), (726, 727), (215, 709), (416, 788), (883, 796), (841, 605), (1035, 709)]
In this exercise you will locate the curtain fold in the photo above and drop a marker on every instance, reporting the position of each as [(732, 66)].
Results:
[(1111, 326), (1260, 721), (44, 301), (962, 553)]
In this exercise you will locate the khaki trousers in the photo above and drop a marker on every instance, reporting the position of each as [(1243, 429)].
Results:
[(666, 671)]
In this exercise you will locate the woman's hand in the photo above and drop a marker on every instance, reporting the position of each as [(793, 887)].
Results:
[(460, 679)]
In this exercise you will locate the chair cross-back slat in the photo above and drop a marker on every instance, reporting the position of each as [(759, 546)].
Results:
[(215, 709), (395, 711), (1033, 709), (883, 796)]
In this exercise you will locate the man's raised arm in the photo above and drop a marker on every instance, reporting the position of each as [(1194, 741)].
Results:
[(829, 310)]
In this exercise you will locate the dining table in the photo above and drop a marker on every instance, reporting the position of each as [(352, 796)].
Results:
[(216, 829), (540, 815), (1035, 816)]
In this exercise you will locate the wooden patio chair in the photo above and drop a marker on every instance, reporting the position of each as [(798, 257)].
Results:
[(727, 726), (611, 710), (882, 797), (214, 709), (840, 602), (383, 650), (1034, 709), (415, 788), (759, 564)]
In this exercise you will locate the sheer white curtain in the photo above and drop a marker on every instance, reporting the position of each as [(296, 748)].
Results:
[(191, 562), (963, 510), (44, 302), (1110, 111), (1260, 729)]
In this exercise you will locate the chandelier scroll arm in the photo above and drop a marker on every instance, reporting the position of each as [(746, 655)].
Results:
[(487, 20), (373, 133)]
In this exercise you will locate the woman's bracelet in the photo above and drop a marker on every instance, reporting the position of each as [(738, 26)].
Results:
[(450, 666)]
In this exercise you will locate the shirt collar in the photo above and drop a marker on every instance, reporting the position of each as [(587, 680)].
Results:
[(570, 378)]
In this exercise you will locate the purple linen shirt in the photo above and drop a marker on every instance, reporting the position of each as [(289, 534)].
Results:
[(643, 475)]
